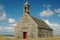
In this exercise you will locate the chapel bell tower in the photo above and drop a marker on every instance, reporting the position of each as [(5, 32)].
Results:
[(26, 8)]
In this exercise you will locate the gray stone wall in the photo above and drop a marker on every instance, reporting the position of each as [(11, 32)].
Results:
[(26, 24), (44, 33)]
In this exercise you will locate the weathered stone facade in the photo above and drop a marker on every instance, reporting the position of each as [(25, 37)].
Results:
[(27, 24), (45, 33), (32, 26)]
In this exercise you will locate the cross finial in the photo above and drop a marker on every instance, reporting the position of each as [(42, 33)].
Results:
[(26, 2)]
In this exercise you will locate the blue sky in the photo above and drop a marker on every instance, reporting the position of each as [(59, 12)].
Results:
[(11, 11)]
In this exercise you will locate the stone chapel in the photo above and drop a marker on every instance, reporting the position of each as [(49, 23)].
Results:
[(31, 27)]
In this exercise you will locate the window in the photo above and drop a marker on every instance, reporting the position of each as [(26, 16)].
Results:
[(25, 8)]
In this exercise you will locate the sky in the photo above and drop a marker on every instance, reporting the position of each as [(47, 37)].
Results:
[(12, 10)]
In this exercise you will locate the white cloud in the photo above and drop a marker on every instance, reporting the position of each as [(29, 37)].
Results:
[(6, 30), (14, 24), (11, 20), (1, 27), (47, 6), (2, 17), (46, 13), (1, 7), (59, 15), (54, 26), (10, 29), (58, 11), (2, 13)]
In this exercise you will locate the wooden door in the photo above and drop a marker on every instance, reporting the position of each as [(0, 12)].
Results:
[(24, 35)]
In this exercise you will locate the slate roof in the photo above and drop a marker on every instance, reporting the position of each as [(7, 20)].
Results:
[(41, 24)]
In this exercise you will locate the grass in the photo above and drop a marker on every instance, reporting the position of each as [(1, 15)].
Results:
[(14, 38)]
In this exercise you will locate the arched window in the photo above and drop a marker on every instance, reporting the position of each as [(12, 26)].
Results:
[(25, 8)]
